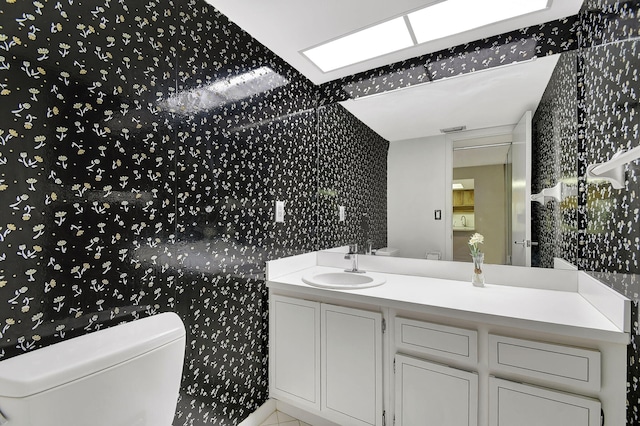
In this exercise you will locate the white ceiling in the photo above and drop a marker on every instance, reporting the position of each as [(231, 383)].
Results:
[(497, 97), (466, 183), (288, 27), (477, 100), (495, 150)]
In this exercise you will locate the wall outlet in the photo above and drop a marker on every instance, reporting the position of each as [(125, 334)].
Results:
[(341, 213), (279, 211)]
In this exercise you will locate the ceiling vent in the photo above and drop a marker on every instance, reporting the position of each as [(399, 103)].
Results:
[(453, 129)]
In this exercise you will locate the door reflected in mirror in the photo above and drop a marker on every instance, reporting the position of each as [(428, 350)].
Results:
[(480, 197)]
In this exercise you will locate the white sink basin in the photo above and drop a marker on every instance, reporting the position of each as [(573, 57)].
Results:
[(343, 280)]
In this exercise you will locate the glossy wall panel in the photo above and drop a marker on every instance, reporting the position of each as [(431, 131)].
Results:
[(555, 132), (606, 21), (246, 138), (610, 103), (87, 180), (142, 149), (353, 173), (521, 45)]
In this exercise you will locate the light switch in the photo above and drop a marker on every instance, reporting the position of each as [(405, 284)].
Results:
[(279, 211), (341, 213), (438, 215)]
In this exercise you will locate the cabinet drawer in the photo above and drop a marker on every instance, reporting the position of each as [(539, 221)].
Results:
[(517, 404), (552, 363), (438, 340)]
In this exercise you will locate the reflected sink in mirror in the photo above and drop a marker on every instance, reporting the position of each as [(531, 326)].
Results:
[(343, 280), (464, 228)]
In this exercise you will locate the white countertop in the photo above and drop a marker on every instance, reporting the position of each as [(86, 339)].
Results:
[(560, 312)]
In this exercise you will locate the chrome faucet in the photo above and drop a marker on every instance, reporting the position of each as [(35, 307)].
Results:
[(464, 221), (353, 255)]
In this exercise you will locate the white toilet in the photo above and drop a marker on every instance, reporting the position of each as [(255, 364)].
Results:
[(127, 375)]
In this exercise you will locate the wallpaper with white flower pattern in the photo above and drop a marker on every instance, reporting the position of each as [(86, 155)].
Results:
[(143, 145)]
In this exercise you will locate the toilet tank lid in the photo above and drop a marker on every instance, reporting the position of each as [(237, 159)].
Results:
[(387, 251), (69, 360)]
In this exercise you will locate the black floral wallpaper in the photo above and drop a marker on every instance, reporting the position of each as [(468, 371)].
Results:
[(555, 151), (87, 180), (348, 154), (143, 146), (246, 137), (610, 102)]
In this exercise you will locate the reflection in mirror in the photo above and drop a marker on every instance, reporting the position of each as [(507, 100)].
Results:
[(463, 204), (555, 155), (419, 161), (481, 197)]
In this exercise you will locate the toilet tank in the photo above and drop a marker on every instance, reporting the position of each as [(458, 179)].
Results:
[(126, 375), (387, 251)]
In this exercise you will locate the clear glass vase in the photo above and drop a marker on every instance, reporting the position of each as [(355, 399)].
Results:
[(477, 279)]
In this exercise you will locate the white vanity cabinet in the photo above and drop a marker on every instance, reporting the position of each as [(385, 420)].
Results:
[(452, 355), (327, 359)]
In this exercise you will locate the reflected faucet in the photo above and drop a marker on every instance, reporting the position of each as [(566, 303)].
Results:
[(353, 255), (369, 249)]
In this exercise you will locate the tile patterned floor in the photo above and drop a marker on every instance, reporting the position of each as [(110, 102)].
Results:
[(278, 418)]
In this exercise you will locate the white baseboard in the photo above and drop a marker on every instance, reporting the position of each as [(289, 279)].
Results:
[(261, 414), (303, 415)]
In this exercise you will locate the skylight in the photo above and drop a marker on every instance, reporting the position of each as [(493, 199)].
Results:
[(457, 16), (433, 22), (366, 44)]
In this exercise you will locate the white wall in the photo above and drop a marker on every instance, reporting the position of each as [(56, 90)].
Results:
[(418, 175)]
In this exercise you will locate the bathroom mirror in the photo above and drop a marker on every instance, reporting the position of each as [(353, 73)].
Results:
[(489, 103)]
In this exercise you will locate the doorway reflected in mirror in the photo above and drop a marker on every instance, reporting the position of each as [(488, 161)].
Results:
[(481, 196)]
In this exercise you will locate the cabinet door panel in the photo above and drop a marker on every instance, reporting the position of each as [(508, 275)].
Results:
[(516, 404), (295, 350), (352, 365), (434, 395)]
